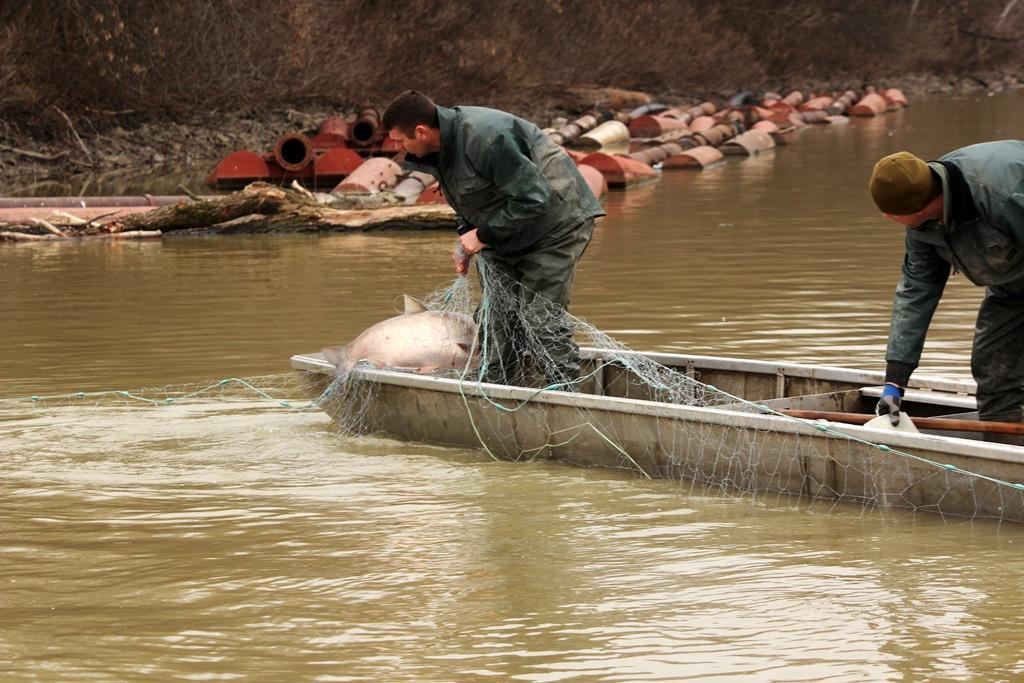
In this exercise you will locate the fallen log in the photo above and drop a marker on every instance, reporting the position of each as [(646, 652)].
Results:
[(188, 215), (268, 208), (259, 208)]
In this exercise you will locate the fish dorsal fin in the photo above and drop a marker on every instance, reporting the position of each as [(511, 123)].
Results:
[(412, 305)]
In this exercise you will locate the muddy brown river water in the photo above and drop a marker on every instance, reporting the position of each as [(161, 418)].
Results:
[(226, 540)]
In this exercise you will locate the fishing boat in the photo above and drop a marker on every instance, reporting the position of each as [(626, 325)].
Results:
[(753, 426)]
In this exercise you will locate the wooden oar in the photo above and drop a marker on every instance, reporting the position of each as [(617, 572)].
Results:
[(939, 423)]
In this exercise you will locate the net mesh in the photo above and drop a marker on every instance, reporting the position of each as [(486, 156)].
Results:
[(801, 459)]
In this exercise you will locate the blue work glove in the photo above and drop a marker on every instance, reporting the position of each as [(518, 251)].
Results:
[(889, 403)]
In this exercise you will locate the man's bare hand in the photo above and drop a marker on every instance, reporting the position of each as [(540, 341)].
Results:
[(470, 242), (461, 259)]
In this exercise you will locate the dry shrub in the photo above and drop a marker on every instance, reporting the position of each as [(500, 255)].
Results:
[(95, 57)]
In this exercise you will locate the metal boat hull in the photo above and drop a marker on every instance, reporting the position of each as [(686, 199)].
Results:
[(731, 446)]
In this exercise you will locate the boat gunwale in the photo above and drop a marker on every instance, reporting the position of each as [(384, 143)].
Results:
[(699, 414)]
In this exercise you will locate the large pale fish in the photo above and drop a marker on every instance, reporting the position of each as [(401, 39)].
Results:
[(418, 340)]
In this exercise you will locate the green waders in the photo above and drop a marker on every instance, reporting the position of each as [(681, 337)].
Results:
[(531, 323), (997, 359)]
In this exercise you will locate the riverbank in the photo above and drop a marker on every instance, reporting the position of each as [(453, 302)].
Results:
[(113, 154)]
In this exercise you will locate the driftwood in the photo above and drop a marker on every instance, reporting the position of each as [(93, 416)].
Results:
[(258, 208), (261, 207), (49, 227)]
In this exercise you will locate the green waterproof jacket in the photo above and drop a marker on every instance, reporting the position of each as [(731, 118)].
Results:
[(503, 176), (981, 236)]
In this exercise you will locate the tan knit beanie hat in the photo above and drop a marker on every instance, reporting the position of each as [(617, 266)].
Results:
[(901, 184)]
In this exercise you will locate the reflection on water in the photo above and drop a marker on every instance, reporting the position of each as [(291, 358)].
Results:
[(229, 540)]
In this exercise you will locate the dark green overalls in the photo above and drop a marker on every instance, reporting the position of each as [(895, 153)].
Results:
[(982, 236), (534, 211)]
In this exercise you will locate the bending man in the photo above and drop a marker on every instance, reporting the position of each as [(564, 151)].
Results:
[(965, 213), (522, 204)]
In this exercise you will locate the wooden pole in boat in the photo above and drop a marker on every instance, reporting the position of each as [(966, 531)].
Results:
[(937, 423)]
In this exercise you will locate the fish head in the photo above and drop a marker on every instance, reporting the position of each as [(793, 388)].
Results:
[(464, 335)]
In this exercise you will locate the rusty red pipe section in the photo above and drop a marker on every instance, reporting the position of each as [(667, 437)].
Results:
[(696, 158), (571, 131), (594, 179), (716, 135), (366, 129), (293, 151), (895, 98), (871, 104), (842, 103), (656, 155), (619, 171), (749, 143), (333, 132), (650, 126)]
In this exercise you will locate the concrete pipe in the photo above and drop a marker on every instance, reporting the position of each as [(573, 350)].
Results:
[(652, 126), (716, 135), (895, 97), (656, 155), (794, 98), (677, 113), (607, 134), (871, 104), (749, 143), (842, 103), (817, 103), (595, 180), (767, 126), (677, 136), (619, 171), (696, 158), (814, 116), (373, 175), (702, 123), (568, 133), (412, 186)]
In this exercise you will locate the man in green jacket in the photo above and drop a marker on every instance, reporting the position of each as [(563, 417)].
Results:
[(965, 213), (523, 206)]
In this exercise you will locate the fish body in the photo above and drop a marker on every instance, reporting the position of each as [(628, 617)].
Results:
[(419, 340)]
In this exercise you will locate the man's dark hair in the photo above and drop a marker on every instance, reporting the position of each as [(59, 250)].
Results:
[(408, 110)]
